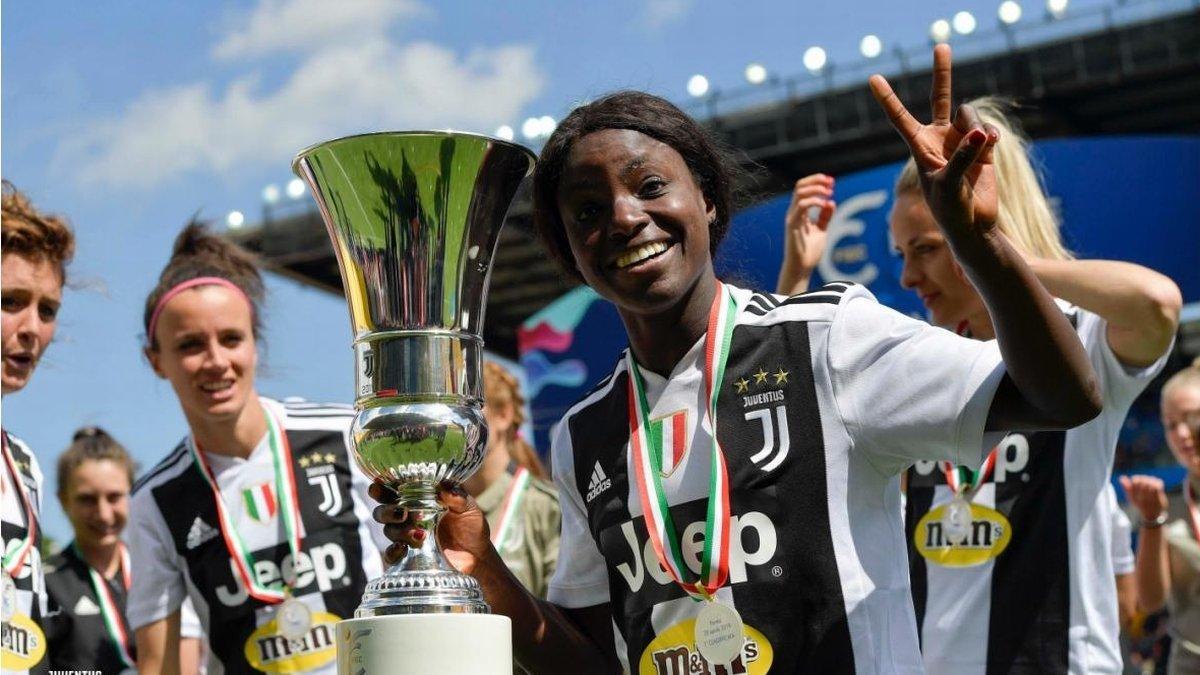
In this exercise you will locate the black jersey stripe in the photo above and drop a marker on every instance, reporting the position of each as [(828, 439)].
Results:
[(797, 300), (169, 462)]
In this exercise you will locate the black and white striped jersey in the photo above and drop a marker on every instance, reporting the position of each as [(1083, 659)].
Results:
[(177, 548), (827, 397), (1033, 588), (23, 643)]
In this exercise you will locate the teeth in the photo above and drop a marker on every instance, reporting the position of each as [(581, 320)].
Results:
[(640, 253), (216, 386)]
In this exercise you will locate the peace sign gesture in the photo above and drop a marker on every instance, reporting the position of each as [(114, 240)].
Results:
[(953, 156)]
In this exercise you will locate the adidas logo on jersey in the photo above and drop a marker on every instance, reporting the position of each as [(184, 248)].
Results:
[(199, 533), (86, 607), (599, 483)]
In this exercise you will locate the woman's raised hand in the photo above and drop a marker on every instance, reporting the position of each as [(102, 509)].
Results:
[(953, 155), (1146, 494)]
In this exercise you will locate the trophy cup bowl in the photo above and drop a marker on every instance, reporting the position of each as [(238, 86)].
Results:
[(414, 218)]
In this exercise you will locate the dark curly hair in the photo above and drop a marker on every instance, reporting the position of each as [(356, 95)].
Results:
[(711, 164)]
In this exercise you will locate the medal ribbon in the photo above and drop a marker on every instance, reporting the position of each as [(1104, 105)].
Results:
[(12, 561), (648, 459), (108, 604), (1193, 512), (962, 480), (289, 511), (510, 505)]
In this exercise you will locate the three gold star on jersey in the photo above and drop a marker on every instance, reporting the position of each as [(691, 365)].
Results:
[(313, 458), (760, 379)]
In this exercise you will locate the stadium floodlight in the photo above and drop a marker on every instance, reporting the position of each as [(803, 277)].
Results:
[(697, 85), (756, 73), (814, 59), (939, 31), (235, 219), (1009, 12), (1056, 8), (506, 132), (270, 194), (964, 23), (531, 128), (871, 46), (295, 188)]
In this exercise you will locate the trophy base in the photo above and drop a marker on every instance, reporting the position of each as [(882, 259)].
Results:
[(474, 644)]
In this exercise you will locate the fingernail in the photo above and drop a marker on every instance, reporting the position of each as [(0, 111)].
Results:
[(419, 535)]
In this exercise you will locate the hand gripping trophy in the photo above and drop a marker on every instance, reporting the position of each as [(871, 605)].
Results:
[(414, 218)]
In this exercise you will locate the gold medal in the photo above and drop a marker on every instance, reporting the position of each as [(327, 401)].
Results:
[(719, 633), (293, 619)]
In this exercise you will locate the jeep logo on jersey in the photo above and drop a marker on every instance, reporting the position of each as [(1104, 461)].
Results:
[(673, 652), (990, 534), (1012, 456), (692, 543), (324, 565)]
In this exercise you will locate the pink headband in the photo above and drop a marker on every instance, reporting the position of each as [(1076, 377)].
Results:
[(183, 286)]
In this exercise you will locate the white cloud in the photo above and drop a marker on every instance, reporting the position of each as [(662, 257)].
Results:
[(658, 13), (307, 25), (372, 84)]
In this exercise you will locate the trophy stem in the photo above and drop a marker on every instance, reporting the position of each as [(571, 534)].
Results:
[(423, 581)]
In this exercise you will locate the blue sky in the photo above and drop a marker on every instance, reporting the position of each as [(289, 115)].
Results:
[(130, 117)]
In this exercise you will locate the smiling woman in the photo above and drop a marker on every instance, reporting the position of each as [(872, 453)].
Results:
[(239, 546)]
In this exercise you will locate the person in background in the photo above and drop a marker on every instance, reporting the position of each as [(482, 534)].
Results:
[(89, 579), (511, 486), (1168, 559), (36, 250), (259, 515), (1046, 598)]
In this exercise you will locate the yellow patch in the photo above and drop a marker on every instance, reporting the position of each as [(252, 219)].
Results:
[(990, 534), (673, 652), (269, 651), (22, 643)]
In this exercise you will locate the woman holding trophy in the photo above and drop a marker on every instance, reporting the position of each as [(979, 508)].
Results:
[(37, 248), (730, 493), (258, 515)]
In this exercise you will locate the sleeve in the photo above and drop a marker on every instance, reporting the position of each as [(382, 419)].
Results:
[(189, 621), (1122, 538), (1119, 383), (580, 577), (158, 586), (907, 390), (359, 483)]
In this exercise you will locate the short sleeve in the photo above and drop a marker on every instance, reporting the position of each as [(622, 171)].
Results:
[(1122, 537), (907, 390), (580, 577), (158, 586), (1120, 384)]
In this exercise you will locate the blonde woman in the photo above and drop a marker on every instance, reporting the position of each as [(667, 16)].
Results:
[(1011, 562), (1168, 558)]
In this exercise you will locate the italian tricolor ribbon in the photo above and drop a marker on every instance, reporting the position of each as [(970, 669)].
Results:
[(285, 487), (109, 611), (1193, 513), (13, 560), (510, 506), (647, 457), (964, 481)]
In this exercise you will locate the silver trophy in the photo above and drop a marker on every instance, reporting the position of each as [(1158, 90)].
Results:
[(414, 218)]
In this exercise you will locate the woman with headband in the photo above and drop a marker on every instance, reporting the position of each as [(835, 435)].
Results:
[(36, 250), (258, 515)]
